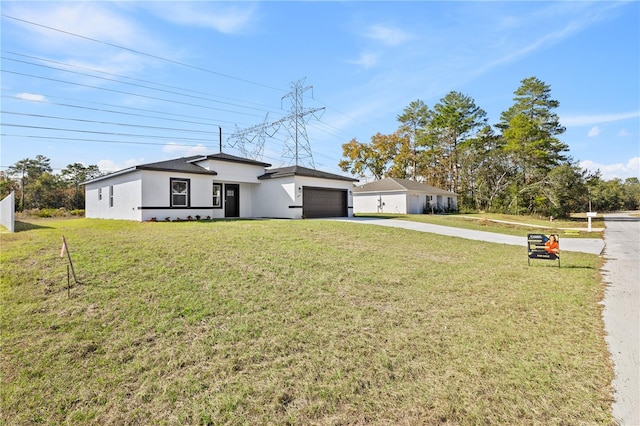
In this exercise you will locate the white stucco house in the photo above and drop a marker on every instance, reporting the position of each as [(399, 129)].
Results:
[(393, 195), (217, 186)]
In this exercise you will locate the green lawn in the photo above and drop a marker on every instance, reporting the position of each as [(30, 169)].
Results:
[(294, 322)]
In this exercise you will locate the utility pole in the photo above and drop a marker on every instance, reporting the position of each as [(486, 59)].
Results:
[(22, 184)]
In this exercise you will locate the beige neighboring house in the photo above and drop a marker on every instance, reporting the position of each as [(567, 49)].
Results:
[(393, 195)]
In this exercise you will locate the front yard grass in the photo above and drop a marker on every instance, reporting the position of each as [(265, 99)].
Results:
[(294, 322)]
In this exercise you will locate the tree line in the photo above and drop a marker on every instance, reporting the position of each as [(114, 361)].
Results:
[(37, 187), (519, 166)]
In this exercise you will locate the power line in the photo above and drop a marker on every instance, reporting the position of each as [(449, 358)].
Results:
[(125, 93), (137, 79), (106, 141), (346, 115), (170, 61), (146, 136), (157, 144), (320, 128), (106, 122), (143, 53), (160, 84), (97, 132), (273, 137), (129, 83), (294, 123), (48, 96)]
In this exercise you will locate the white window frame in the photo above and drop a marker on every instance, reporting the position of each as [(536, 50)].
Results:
[(217, 194), (182, 192)]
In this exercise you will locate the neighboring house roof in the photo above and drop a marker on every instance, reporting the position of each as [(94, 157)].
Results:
[(396, 184), (302, 171)]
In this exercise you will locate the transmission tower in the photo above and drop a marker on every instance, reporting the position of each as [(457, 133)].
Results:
[(297, 146), (250, 141)]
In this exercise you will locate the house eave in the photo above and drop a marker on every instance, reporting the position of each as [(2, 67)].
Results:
[(355, 191), (230, 159), (191, 172), (110, 175), (304, 172), (149, 168)]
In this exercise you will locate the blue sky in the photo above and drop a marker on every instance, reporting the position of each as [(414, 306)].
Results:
[(123, 83)]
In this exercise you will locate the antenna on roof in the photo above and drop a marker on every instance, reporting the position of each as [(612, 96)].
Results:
[(220, 138)]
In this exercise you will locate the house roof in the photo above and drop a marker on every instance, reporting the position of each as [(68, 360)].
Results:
[(183, 165), (397, 184), (302, 171), (231, 158), (188, 165)]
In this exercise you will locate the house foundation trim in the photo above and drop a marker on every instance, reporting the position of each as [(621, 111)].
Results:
[(175, 208)]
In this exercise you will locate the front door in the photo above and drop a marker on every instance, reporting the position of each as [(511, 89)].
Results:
[(231, 200)]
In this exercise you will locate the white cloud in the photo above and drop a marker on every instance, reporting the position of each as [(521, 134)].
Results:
[(88, 19), (367, 60), (225, 18), (87, 30), (624, 133), (122, 63), (387, 35), (185, 150), (590, 120), (31, 97), (594, 131), (110, 166), (616, 170), (541, 29)]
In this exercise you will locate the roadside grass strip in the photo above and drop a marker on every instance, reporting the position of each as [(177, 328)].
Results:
[(294, 322)]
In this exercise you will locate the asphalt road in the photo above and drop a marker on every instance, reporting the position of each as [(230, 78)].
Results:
[(621, 313)]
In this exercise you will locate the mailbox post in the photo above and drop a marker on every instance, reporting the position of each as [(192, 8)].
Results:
[(589, 216)]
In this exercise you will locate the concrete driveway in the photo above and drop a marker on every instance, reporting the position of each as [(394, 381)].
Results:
[(621, 312), (584, 245)]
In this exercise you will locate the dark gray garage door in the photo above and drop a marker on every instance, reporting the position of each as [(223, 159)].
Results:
[(324, 202)]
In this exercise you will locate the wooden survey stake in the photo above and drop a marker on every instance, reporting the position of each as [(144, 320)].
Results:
[(64, 249)]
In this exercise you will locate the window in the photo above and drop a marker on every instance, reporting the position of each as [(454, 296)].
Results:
[(111, 196), (179, 192), (99, 194), (217, 195)]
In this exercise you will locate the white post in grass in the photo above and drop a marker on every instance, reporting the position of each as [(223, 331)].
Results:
[(589, 216)]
